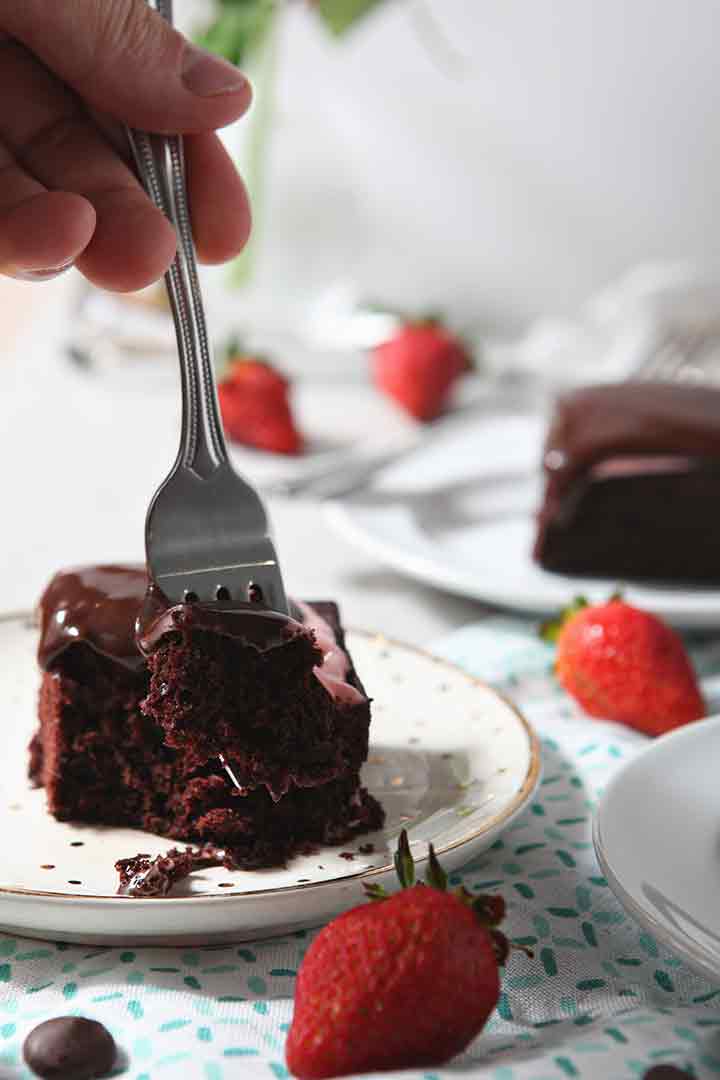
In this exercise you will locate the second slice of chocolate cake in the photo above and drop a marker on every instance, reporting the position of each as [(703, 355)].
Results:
[(632, 476)]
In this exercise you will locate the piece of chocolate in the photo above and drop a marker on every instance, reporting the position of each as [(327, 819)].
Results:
[(70, 1048), (144, 876), (667, 1072), (632, 471)]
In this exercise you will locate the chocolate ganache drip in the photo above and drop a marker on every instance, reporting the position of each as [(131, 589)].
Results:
[(118, 613), (254, 626), (96, 605)]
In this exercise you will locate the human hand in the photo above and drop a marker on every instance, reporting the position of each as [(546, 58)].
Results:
[(71, 75)]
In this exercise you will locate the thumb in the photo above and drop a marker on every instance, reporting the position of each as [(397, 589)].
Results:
[(124, 59)]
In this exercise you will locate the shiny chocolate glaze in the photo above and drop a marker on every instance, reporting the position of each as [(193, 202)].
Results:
[(627, 420), (118, 614), (114, 611), (97, 605), (257, 627)]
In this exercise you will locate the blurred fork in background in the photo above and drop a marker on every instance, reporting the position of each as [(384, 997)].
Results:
[(683, 354)]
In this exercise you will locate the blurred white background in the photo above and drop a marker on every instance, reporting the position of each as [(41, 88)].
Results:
[(496, 160), (504, 165)]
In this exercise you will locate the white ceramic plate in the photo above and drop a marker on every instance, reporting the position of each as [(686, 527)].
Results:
[(459, 514), (657, 838), (451, 761)]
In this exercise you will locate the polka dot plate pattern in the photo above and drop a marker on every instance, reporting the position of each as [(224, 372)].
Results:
[(451, 760)]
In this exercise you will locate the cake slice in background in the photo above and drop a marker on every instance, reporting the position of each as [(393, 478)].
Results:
[(103, 760), (632, 483)]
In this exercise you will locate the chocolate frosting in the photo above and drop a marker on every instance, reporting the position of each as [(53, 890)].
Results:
[(261, 629), (97, 605), (628, 419), (118, 614), (114, 611)]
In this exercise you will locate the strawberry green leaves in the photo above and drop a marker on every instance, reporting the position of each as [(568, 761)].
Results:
[(404, 862), (550, 630), (435, 877)]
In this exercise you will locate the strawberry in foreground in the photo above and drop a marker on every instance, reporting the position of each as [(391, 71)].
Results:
[(255, 406), (624, 664), (408, 980), (418, 367)]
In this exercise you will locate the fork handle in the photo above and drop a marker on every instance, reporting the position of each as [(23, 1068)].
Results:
[(161, 166)]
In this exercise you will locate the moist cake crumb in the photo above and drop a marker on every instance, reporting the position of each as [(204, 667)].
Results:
[(116, 744), (145, 876)]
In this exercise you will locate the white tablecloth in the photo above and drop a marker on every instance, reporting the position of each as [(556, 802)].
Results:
[(81, 454)]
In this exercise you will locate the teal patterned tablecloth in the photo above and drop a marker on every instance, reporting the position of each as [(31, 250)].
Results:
[(601, 998)]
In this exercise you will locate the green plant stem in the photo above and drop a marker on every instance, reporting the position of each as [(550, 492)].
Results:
[(255, 158)]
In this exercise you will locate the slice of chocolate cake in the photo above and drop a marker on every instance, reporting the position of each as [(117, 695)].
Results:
[(278, 697), (103, 758), (632, 475)]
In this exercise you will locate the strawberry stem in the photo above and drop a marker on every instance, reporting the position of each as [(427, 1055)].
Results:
[(374, 891), (435, 877), (501, 946), (550, 630), (489, 910), (428, 318), (233, 347), (404, 862)]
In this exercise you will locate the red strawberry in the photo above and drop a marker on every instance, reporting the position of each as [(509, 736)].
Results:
[(408, 981), (418, 367), (255, 406), (621, 663)]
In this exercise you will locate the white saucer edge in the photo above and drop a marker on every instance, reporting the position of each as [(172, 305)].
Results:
[(679, 944)]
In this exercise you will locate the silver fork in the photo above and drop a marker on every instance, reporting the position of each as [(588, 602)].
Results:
[(683, 354), (206, 532)]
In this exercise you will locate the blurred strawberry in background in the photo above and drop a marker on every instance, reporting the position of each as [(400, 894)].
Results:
[(419, 366), (255, 404)]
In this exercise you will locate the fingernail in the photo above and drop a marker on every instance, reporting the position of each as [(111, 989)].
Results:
[(209, 76), (42, 275)]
